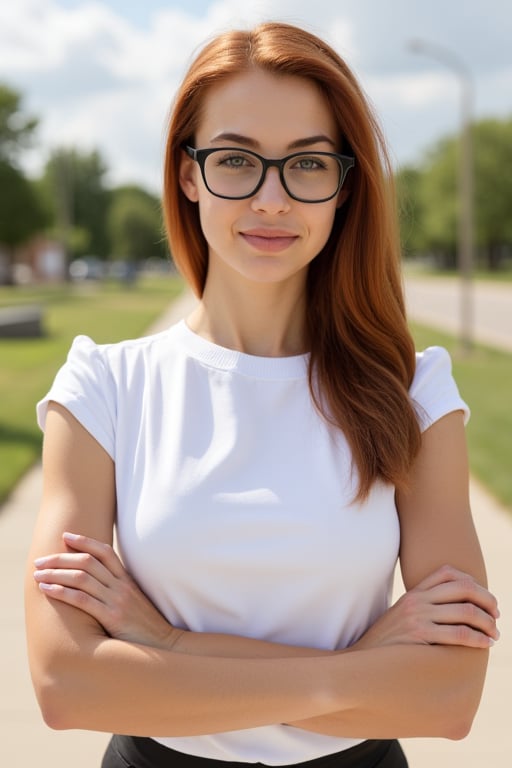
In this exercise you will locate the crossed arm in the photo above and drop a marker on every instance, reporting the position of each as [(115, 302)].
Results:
[(107, 660)]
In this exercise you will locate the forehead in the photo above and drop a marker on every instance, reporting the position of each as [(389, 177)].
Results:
[(271, 110)]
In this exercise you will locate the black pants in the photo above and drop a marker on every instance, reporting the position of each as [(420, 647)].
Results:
[(137, 752)]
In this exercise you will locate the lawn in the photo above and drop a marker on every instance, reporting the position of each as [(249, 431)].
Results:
[(484, 378), (106, 311)]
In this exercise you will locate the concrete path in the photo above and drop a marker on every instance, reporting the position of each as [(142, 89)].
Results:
[(25, 741)]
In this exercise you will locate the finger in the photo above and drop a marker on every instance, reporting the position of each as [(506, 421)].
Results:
[(465, 590), (98, 549), (78, 599), (460, 586), (76, 580), (76, 561), (466, 614), (460, 635)]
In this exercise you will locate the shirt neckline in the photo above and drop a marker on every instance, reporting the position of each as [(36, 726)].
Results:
[(223, 358)]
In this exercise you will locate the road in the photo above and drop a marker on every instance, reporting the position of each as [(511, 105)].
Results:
[(437, 302)]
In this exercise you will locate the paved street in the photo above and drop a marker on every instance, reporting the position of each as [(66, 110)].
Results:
[(25, 741), (437, 303)]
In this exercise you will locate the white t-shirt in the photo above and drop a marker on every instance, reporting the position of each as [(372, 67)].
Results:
[(234, 497)]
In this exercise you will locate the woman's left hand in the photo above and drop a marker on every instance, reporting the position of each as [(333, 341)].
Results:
[(93, 579)]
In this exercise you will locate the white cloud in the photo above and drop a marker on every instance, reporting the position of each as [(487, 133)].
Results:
[(415, 90), (96, 79)]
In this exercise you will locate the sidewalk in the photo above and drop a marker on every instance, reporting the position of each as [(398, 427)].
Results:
[(25, 740)]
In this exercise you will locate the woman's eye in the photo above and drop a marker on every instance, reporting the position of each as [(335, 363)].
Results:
[(234, 161), (309, 164)]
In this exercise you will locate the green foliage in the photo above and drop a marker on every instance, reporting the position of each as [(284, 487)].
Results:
[(408, 184), (16, 128), (135, 224), (438, 194), (75, 193), (21, 214), (104, 311), (493, 186), (429, 198)]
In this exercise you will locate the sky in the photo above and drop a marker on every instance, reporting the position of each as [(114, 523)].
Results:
[(101, 74)]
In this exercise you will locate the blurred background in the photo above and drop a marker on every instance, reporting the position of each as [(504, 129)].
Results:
[(85, 91)]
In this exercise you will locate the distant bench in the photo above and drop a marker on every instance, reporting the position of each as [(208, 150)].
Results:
[(21, 322)]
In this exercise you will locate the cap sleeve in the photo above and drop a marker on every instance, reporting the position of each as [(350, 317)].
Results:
[(85, 387), (433, 389)]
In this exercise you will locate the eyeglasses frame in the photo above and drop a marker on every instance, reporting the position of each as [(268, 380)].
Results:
[(346, 162)]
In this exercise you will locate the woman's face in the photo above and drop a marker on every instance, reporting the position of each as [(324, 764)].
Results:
[(269, 237)]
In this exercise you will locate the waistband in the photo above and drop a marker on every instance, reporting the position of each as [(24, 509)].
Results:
[(141, 752)]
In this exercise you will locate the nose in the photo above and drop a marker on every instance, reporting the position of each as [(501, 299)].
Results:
[(271, 197)]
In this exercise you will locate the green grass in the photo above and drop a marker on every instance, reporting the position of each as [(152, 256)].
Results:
[(484, 378), (425, 271), (107, 312)]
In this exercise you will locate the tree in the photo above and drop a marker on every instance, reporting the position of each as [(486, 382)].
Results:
[(135, 224), (434, 199), (74, 189), (493, 189), (440, 202), (21, 214), (412, 228), (16, 128)]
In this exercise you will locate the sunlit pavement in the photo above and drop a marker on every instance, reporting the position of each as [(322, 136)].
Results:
[(439, 303)]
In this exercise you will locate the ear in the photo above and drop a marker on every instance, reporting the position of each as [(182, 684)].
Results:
[(188, 178)]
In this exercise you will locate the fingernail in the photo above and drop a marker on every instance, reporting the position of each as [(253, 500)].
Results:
[(39, 562), (70, 536)]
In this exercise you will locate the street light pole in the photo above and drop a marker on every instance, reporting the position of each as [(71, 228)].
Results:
[(465, 218)]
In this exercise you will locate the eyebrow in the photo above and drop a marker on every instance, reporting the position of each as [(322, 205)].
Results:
[(308, 141)]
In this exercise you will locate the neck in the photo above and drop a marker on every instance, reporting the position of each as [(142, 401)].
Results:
[(267, 320)]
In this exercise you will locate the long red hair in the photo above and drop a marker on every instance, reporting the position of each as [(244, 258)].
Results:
[(362, 355)]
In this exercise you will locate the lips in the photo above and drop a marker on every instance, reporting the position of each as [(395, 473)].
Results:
[(269, 240)]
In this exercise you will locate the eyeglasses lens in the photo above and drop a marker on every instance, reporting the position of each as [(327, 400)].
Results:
[(307, 176)]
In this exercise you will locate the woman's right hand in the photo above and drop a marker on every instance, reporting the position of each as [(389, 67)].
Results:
[(93, 579), (447, 608)]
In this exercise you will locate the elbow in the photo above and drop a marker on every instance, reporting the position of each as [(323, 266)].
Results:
[(463, 693), (57, 692), (460, 711), (458, 728), (54, 709), (58, 709)]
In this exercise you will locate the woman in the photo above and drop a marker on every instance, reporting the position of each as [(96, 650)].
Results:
[(265, 461)]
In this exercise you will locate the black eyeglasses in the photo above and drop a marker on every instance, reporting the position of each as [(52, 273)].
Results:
[(235, 174)]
